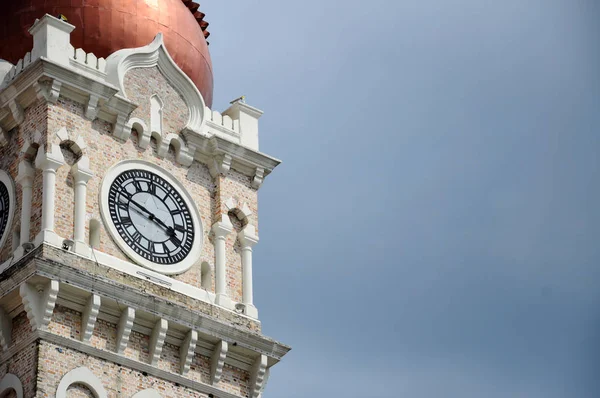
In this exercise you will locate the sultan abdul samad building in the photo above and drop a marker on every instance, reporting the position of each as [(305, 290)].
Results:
[(128, 207)]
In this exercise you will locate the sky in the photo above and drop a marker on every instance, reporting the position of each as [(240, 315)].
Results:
[(433, 229)]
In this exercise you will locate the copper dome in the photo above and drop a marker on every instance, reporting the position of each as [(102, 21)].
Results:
[(105, 26)]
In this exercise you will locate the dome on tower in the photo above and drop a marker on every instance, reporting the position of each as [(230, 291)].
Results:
[(106, 26)]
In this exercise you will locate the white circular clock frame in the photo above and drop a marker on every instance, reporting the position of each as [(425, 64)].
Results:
[(10, 187), (167, 269)]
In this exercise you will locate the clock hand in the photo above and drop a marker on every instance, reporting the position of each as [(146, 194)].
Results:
[(152, 217)]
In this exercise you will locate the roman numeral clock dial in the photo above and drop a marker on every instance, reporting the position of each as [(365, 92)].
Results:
[(151, 217)]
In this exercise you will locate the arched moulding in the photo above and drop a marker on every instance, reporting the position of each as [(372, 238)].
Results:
[(76, 144), (149, 393), (183, 154), (11, 382), (82, 376), (241, 210), (156, 54)]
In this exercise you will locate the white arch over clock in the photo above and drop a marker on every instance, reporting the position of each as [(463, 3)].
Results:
[(135, 164), (82, 376), (149, 393)]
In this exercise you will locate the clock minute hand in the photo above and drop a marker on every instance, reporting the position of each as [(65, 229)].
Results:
[(152, 217)]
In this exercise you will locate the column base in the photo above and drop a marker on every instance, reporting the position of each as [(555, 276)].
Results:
[(224, 301), (48, 236), (251, 311), (82, 248)]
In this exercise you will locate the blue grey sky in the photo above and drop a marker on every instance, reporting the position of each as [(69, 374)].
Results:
[(434, 228)]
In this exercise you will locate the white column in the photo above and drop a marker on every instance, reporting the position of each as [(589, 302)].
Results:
[(81, 174), (48, 162), (220, 230), (25, 179), (248, 239)]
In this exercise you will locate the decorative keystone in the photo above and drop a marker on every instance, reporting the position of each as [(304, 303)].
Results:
[(257, 376), (157, 340), (125, 326), (187, 350), (217, 361), (88, 320), (39, 302)]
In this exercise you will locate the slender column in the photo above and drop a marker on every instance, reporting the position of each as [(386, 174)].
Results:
[(248, 239), (25, 179), (220, 230), (81, 174), (48, 162)]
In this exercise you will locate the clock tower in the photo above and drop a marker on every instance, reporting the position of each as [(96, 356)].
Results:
[(128, 208)]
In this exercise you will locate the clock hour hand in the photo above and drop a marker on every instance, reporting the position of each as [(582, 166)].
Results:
[(152, 217)]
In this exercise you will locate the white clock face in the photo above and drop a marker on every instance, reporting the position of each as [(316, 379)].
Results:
[(151, 217), (7, 205)]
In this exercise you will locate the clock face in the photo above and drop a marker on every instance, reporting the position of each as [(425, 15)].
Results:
[(5, 208), (151, 217), (7, 205)]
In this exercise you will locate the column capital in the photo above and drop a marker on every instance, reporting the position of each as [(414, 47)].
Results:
[(247, 236), (81, 170), (51, 160), (222, 228), (25, 173)]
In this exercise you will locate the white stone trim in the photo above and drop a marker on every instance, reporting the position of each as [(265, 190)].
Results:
[(81, 175), (149, 393), (10, 187), (220, 231), (257, 376), (157, 340), (125, 326), (171, 269), (83, 376), (88, 318), (49, 162), (11, 382), (5, 330), (39, 302), (156, 54), (248, 239), (186, 351), (217, 361)]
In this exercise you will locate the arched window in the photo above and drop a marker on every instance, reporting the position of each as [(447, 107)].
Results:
[(84, 377), (11, 382), (149, 393)]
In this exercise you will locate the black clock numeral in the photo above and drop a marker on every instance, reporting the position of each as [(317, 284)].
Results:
[(178, 238)]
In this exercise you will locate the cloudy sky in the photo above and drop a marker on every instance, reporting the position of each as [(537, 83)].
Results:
[(434, 228)]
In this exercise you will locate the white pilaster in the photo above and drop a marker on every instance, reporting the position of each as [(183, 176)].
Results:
[(220, 230), (48, 162), (51, 39), (25, 179), (81, 174), (248, 239)]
